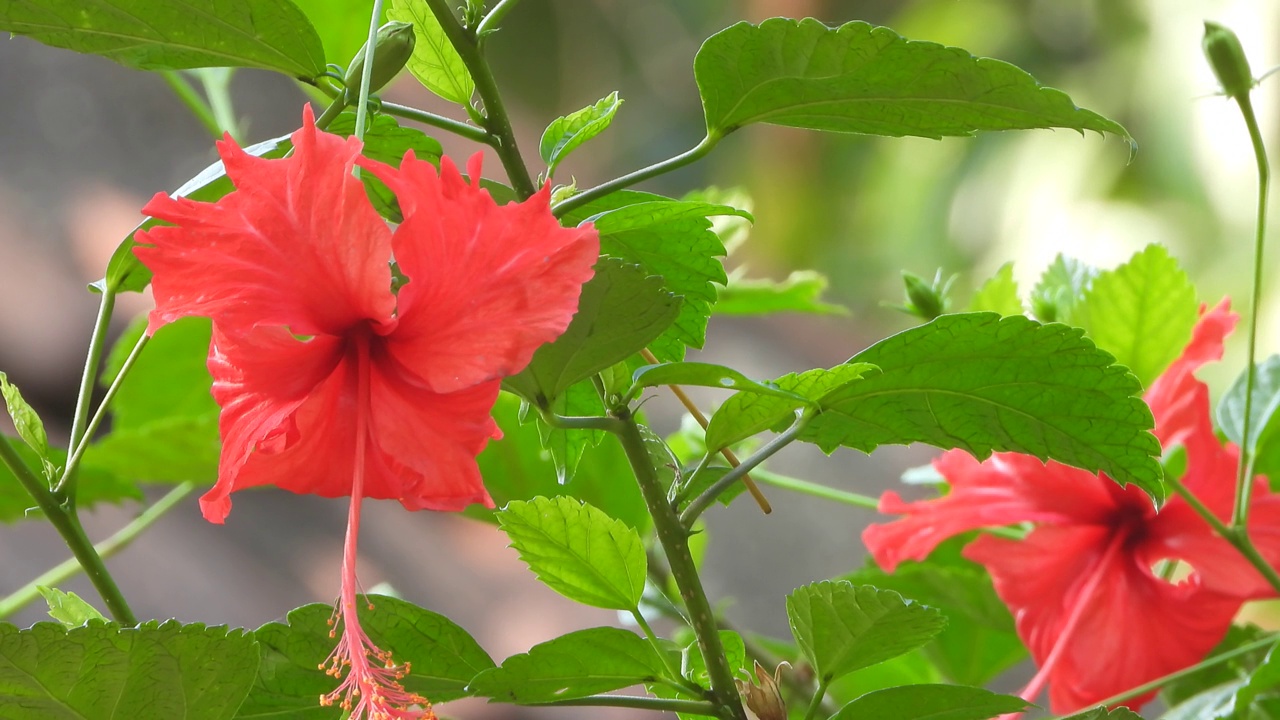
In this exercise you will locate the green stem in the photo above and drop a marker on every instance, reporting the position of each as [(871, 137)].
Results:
[(193, 101), (694, 707), (694, 154), (1244, 482), (73, 461), (675, 544), (216, 82), (335, 108), (590, 422), (439, 121), (118, 541), (495, 16), (370, 50), (1185, 672), (703, 501), (672, 670), (496, 121), (66, 487), (818, 695), (68, 526), (1237, 537)]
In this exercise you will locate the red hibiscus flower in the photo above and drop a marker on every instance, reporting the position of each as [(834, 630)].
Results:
[(1089, 604), (329, 381)]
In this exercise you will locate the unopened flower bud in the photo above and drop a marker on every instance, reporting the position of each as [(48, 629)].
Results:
[(394, 46), (765, 699), (1227, 58), (924, 299)]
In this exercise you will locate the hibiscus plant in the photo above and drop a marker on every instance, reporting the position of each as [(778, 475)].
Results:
[(338, 311)]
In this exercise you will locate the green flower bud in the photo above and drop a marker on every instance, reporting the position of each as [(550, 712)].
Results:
[(394, 45), (927, 300), (1227, 58)]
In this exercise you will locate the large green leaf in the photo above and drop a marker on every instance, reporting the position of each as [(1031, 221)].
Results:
[(576, 665), (434, 62), (385, 140), (1264, 426), (568, 133), (801, 292), (578, 551), (621, 310), (175, 34), (671, 239), (842, 627), (1142, 312), (100, 671), (931, 702), (870, 80), (980, 382), (442, 658)]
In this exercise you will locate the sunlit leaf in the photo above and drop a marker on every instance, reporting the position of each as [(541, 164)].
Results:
[(801, 292), (175, 34), (998, 294), (568, 133), (435, 62), (747, 413), (25, 420), (68, 608), (1062, 285), (705, 375)]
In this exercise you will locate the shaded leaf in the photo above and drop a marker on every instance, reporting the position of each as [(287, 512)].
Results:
[(568, 133), (578, 551), (984, 383), (998, 294), (576, 665), (801, 292), (442, 657), (746, 414), (931, 702), (841, 627), (169, 670), (175, 34), (863, 79), (434, 62), (1264, 426), (1142, 312), (68, 608)]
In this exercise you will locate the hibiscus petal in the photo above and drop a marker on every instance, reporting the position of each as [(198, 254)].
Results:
[(1005, 489), (488, 284), (1132, 629), (297, 244)]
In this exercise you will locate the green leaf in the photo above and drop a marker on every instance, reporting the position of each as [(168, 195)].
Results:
[(385, 140), (441, 656), (841, 627), (435, 62), (94, 485), (1264, 425), (169, 35), (169, 670), (566, 134), (1101, 713), (801, 292), (621, 310), (671, 239), (705, 375), (998, 294), (1142, 312), (1062, 285), (576, 665), (342, 25), (746, 414), (68, 608), (931, 702), (578, 551), (1235, 670), (25, 420), (869, 80), (980, 382), (567, 446)]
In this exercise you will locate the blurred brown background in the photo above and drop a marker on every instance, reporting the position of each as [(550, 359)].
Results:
[(84, 143)]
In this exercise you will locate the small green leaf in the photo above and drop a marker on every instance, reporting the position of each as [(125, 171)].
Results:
[(1264, 426), (746, 414), (621, 310), (1062, 285), (998, 294), (435, 62), (25, 420), (984, 383), (931, 702), (68, 608), (566, 134), (705, 375), (442, 658), (578, 551), (576, 665), (166, 35), (1142, 312), (169, 670), (801, 292), (841, 627), (567, 446), (863, 79)]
